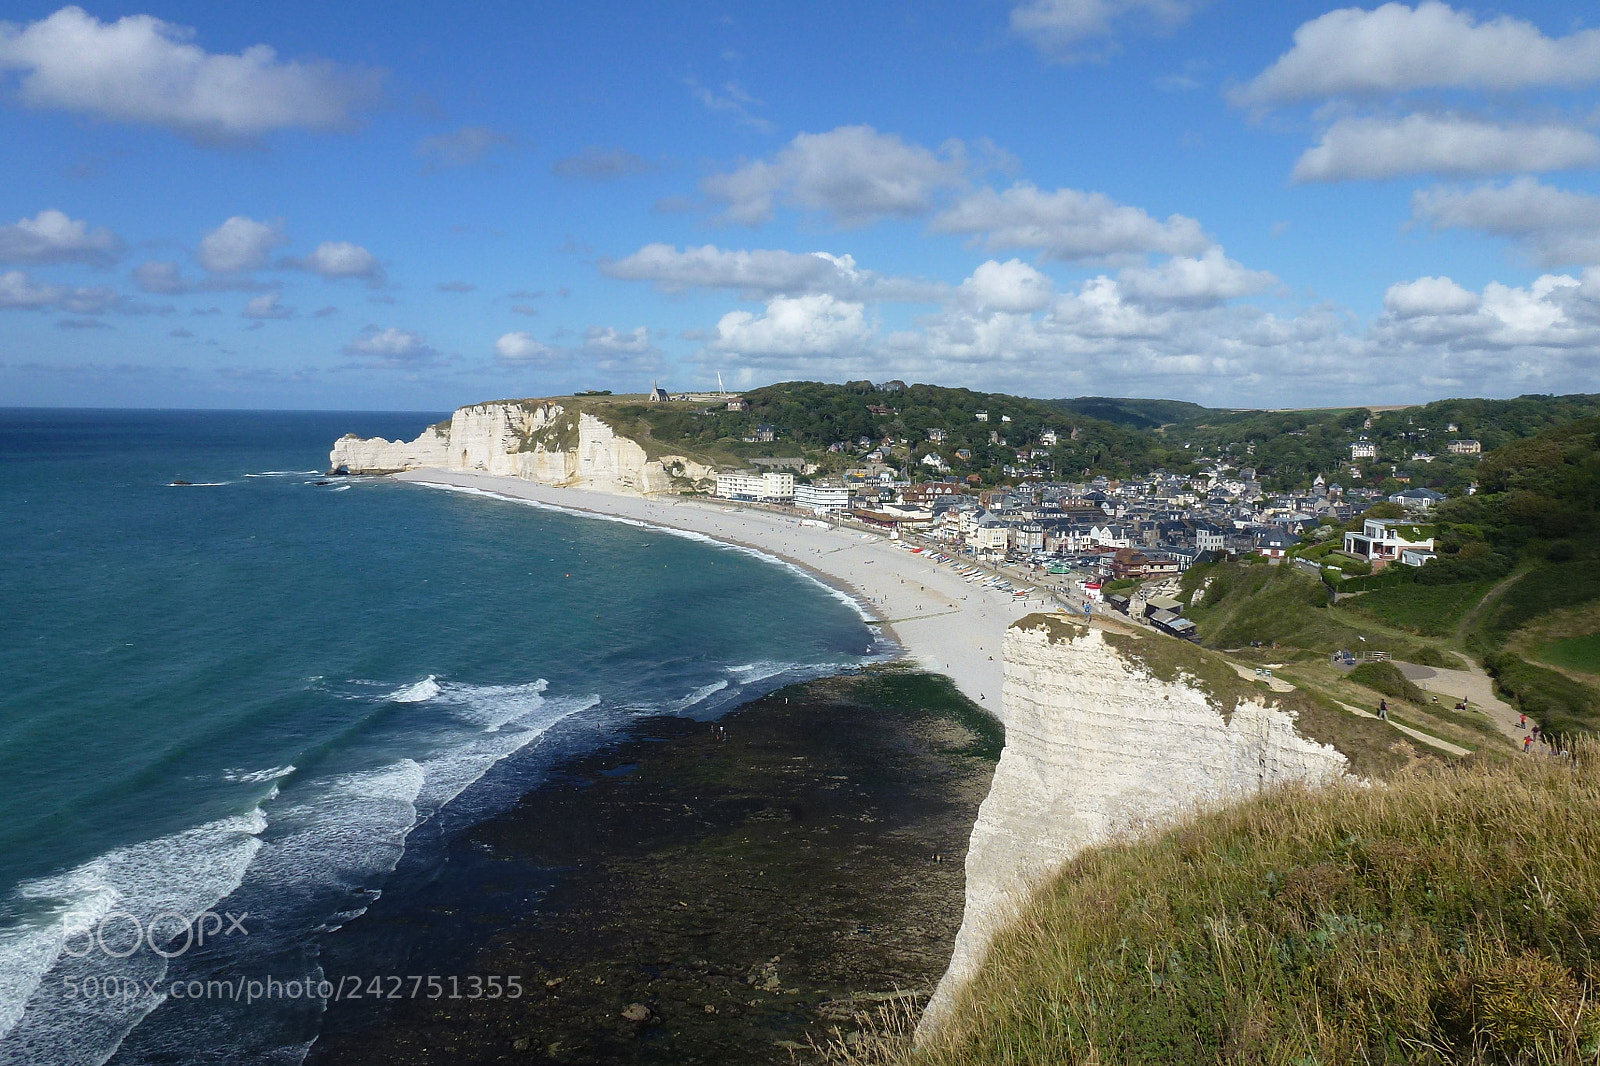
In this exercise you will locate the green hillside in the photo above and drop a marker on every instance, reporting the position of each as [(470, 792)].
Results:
[(1290, 448), (1134, 413), (1446, 918), (1523, 551), (809, 416)]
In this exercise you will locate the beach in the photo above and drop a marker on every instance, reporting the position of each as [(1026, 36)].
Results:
[(945, 624)]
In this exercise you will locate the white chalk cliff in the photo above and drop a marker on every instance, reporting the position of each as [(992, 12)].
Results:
[(1097, 746), (537, 440)]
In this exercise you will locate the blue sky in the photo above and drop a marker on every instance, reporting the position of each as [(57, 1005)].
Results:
[(417, 206)]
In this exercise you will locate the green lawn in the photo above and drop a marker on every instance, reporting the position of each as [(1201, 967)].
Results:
[(1574, 653), (1433, 610)]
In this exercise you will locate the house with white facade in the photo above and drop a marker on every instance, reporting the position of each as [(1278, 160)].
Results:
[(766, 487), (1381, 540), (822, 499)]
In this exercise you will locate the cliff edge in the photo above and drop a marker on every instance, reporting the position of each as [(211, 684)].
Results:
[(1108, 734), (550, 442)]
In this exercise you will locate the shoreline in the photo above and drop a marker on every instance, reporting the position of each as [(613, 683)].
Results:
[(942, 624)]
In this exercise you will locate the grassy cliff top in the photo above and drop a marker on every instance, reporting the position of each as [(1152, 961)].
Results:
[(1448, 917)]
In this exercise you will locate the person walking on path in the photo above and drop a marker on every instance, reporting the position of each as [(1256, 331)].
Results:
[(1522, 721), (1527, 745), (1383, 710)]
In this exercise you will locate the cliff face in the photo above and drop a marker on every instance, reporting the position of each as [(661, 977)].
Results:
[(538, 440), (1098, 746)]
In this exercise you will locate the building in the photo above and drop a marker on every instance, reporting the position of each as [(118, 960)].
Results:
[(929, 491), (1381, 540), (1048, 438), (1417, 499), (767, 487), (989, 534), (1416, 556), (937, 436), (738, 403), (1275, 543), (821, 499), (1208, 538), (1363, 449), (1464, 447), (658, 394), (982, 416), (766, 434)]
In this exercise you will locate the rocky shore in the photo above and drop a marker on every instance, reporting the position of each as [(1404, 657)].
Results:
[(728, 893)]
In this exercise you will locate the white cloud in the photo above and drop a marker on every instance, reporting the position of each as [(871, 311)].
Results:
[(1377, 148), (1068, 224), (240, 244), (1551, 226), (761, 273), (18, 291), (1012, 286), (599, 164), (390, 349), (521, 347), (462, 147), (1396, 48), (853, 174), (607, 340), (165, 278), (341, 259), (266, 306), (1060, 28), (53, 237), (140, 69), (1429, 297), (1209, 279), (791, 327), (604, 351), (731, 100)]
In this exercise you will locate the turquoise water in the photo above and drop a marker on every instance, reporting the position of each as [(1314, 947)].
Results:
[(253, 690)]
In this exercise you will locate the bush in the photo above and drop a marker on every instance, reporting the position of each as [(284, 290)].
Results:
[(1559, 704), (1387, 679)]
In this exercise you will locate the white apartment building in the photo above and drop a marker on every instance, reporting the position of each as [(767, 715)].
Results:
[(770, 486), (820, 499), (1383, 539)]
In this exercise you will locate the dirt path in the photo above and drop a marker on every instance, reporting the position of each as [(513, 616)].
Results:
[(1474, 684), (1490, 598), (1414, 734)]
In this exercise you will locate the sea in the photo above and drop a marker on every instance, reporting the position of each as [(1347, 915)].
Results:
[(232, 709)]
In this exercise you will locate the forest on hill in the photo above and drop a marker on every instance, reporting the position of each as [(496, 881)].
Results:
[(999, 438)]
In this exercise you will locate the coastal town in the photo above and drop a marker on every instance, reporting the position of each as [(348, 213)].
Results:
[(1121, 532)]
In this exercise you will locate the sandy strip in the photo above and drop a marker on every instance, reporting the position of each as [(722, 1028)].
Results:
[(945, 624)]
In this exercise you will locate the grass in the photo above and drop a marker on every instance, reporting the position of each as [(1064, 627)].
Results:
[(1387, 679), (1544, 589), (1431, 610), (1280, 604), (1574, 653), (1451, 915)]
